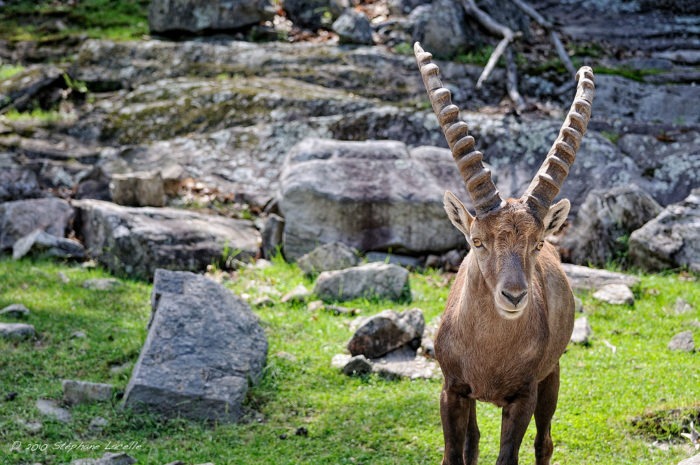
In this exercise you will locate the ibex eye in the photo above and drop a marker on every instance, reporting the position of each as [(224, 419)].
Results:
[(477, 242)]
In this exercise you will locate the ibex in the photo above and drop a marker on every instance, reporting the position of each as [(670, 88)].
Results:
[(510, 311)]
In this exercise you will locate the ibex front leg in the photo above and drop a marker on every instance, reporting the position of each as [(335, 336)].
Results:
[(458, 414), (514, 421), (547, 394)]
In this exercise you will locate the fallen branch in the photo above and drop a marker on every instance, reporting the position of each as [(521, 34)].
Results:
[(494, 28), (512, 81), (553, 36)]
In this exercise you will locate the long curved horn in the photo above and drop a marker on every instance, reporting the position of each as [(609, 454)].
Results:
[(476, 177), (555, 168)]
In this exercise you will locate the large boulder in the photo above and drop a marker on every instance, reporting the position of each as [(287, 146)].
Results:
[(372, 195), (373, 280), (380, 334), (314, 14), (204, 347), (606, 218), (136, 241), (22, 217), (198, 16), (672, 239)]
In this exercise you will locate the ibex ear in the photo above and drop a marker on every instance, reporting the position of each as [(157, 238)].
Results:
[(556, 216), (458, 214)]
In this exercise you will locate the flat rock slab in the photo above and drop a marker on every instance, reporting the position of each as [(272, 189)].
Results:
[(203, 349), (582, 331), (53, 246), (617, 294), (694, 460), (373, 280), (17, 331), (583, 278), (79, 392), (110, 458), (401, 363), (51, 409), (135, 241), (22, 217), (15, 311)]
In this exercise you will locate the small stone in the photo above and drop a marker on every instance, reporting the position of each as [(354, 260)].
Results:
[(683, 342), (582, 331), (681, 306), (32, 427), (79, 392), (78, 335), (101, 284), (315, 305), (264, 301), (328, 257), (118, 369), (302, 431), (618, 294), (298, 294), (51, 409), (15, 311), (357, 365), (10, 396), (98, 424), (17, 331), (63, 277)]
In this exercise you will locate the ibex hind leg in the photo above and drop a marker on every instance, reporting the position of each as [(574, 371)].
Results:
[(547, 395)]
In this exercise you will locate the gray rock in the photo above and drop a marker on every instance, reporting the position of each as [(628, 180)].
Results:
[(272, 231), (680, 307), (16, 331), (327, 185), (328, 257), (98, 424), (298, 294), (353, 27), (175, 16), (694, 460), (441, 28), (109, 458), (314, 14), (357, 365), (33, 84), (80, 392), (605, 218), (404, 363), (22, 217), (101, 284), (668, 163), (583, 278), (47, 244), (373, 280), (15, 311), (618, 294), (387, 331), (405, 261), (140, 189), (672, 239), (204, 347), (51, 409), (136, 241), (17, 183), (31, 427), (683, 342), (582, 331)]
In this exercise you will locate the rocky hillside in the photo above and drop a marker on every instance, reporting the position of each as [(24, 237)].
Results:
[(206, 121)]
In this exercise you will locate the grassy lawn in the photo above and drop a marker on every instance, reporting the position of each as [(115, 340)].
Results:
[(349, 420), (50, 21)]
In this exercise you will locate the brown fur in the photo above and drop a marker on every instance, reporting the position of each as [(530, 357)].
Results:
[(489, 355)]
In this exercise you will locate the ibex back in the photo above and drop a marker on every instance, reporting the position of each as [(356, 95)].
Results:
[(510, 312)]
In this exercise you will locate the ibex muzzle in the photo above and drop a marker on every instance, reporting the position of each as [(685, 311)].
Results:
[(510, 311)]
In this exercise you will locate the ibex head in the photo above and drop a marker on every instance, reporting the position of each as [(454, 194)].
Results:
[(506, 236)]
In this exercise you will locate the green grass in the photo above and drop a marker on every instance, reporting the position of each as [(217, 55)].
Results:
[(55, 20), (349, 420)]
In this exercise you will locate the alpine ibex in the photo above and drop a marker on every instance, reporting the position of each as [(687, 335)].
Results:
[(510, 311)]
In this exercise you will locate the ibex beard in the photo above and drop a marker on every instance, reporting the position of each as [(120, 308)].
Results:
[(510, 312)]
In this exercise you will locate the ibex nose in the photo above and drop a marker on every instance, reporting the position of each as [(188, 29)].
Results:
[(514, 299)]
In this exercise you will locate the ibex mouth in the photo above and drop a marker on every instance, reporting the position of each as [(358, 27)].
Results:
[(509, 308)]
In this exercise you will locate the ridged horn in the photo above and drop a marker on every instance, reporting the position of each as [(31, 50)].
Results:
[(476, 177), (548, 181)]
